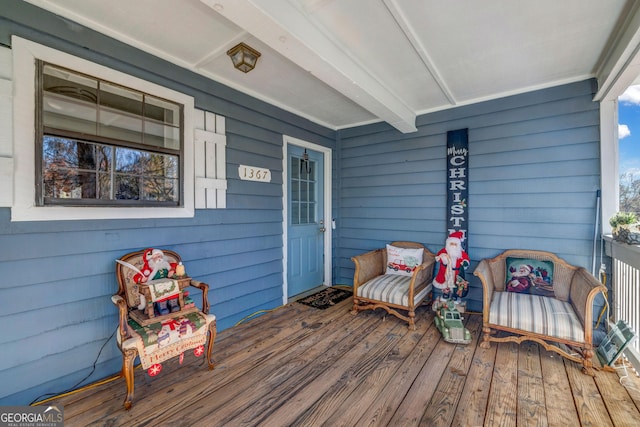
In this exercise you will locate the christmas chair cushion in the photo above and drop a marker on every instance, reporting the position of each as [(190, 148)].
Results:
[(160, 341), (402, 261), (531, 276)]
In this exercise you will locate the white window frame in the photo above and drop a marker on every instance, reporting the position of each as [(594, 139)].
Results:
[(24, 207)]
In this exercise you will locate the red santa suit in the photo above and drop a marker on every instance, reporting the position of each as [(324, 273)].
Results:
[(145, 271), (521, 279), (450, 260), (156, 266)]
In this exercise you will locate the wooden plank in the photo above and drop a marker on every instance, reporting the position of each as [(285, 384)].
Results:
[(221, 169), (561, 409), (424, 386), (344, 406), (319, 374), (210, 162), (475, 395), (502, 404), (229, 344), (589, 403), (296, 363), (199, 119), (302, 366), (631, 382), (365, 368), (619, 403), (530, 397), (442, 408), (227, 354), (382, 409)]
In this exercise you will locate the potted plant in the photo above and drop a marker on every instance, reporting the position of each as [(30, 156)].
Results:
[(625, 227)]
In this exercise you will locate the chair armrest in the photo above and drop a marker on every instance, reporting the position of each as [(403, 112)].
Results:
[(584, 288), (483, 271), (205, 294), (123, 316), (368, 266), (424, 272)]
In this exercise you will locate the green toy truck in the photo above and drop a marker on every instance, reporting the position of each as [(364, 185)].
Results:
[(449, 323)]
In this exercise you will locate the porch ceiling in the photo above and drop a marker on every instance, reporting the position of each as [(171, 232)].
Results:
[(345, 63)]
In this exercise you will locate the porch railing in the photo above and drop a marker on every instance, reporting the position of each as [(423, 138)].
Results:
[(625, 291)]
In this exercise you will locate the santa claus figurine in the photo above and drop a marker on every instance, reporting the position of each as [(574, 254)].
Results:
[(156, 266), (452, 261)]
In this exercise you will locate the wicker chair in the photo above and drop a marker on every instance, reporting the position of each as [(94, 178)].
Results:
[(158, 336), (372, 288), (564, 316)]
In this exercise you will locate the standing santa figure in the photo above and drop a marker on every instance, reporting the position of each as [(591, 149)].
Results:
[(452, 261)]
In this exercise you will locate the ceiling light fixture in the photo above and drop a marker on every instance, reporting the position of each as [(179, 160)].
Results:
[(244, 58)]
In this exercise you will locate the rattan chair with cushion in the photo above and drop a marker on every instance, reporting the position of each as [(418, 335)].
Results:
[(157, 318), (396, 278), (537, 296)]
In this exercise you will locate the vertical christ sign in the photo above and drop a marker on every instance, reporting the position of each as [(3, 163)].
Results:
[(458, 183)]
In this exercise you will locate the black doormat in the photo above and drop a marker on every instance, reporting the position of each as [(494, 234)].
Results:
[(325, 298)]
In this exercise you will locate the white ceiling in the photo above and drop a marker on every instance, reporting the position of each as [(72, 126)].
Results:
[(342, 63)]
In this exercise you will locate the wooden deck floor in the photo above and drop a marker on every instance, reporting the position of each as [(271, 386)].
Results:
[(307, 367)]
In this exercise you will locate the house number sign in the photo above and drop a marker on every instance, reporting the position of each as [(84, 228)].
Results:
[(458, 183), (252, 173)]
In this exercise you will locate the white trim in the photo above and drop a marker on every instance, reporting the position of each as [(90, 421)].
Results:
[(609, 178), (327, 153), (210, 164), (621, 64), (6, 127), (24, 209)]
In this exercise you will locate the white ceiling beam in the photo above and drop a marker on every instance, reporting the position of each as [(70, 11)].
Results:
[(420, 49), (620, 68), (293, 34)]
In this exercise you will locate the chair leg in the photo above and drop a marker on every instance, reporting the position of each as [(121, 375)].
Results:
[(587, 364), (212, 338), (128, 356), (412, 320), (485, 340), (354, 310)]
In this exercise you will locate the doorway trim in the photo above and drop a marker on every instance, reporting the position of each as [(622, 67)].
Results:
[(328, 220)]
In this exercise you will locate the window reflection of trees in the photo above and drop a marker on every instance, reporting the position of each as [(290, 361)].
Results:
[(79, 170)]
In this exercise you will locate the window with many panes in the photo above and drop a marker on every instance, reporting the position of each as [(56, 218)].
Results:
[(103, 144), (303, 191)]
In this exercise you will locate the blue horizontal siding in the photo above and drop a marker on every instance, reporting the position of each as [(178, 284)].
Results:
[(534, 169), (59, 276)]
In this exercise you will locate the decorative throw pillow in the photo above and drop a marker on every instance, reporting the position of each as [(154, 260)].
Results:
[(403, 261), (531, 276)]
